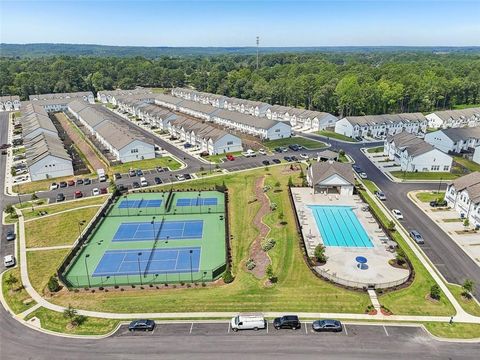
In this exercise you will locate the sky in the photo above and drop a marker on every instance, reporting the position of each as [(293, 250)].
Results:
[(237, 23)]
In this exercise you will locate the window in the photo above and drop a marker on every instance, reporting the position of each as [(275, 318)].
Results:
[(446, 168), (278, 130), (435, 167), (133, 151), (229, 142)]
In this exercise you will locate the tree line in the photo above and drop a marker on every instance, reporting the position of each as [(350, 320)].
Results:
[(339, 83)]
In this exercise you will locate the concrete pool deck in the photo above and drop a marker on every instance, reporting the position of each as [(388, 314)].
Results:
[(341, 266)]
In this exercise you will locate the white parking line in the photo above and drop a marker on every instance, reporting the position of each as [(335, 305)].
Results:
[(345, 327), (228, 328), (267, 327), (191, 328), (306, 330), (386, 332)]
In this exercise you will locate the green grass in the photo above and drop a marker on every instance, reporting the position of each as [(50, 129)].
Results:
[(60, 229), (343, 158), (334, 135), (42, 265), (28, 204), (57, 207), (55, 321), (307, 143), (370, 185), (15, 295), (424, 175), (454, 331), (217, 158), (375, 150), (427, 196), (470, 165), (465, 106), (164, 161), (40, 185), (412, 299), (19, 151), (297, 288), (469, 305)]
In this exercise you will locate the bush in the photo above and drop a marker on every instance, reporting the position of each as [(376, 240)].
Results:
[(227, 277), (270, 275), (391, 225), (320, 253), (468, 286), (53, 285), (400, 256), (250, 264), (435, 292), (269, 244)]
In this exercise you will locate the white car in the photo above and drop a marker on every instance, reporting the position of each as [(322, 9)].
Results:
[(180, 177), (54, 186), (304, 156), (363, 175), (9, 260), (95, 192), (262, 152), (398, 215)]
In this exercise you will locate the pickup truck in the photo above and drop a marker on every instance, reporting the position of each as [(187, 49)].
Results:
[(249, 153)]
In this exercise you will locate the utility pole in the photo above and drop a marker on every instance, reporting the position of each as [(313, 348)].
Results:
[(258, 42)]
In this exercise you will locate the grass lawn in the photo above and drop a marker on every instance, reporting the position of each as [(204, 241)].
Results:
[(307, 143), (454, 331), (217, 158), (57, 207), (470, 165), (469, 305), (411, 300), (60, 229), (55, 321), (427, 196), (15, 295), (424, 175), (370, 185), (19, 151), (40, 185), (297, 288), (334, 135), (375, 150), (343, 159), (164, 161), (42, 265)]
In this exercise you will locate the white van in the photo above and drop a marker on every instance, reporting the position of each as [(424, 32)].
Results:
[(143, 181), (248, 322)]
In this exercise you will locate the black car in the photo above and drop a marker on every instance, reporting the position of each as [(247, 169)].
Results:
[(160, 169), (117, 176), (63, 184), (436, 203), (278, 149), (158, 180), (79, 181), (357, 168), (294, 158), (266, 162), (141, 325), (327, 325), (87, 182), (139, 172), (294, 147), (135, 185), (187, 176), (276, 161), (10, 235), (121, 188), (287, 322), (288, 158), (60, 197)]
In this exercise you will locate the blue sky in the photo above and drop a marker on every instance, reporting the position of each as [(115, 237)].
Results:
[(236, 23)]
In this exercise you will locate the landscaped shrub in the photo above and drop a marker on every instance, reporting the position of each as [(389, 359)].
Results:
[(250, 264), (269, 244), (270, 275), (435, 292), (227, 277), (53, 285), (320, 253)]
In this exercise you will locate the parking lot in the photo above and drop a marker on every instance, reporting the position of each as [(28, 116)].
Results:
[(224, 329)]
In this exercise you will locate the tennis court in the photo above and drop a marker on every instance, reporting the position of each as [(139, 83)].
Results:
[(148, 261), (124, 204), (160, 230), (199, 201)]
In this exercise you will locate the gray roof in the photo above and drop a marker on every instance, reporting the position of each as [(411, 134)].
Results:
[(385, 119), (328, 154), (195, 106), (71, 95), (9, 98), (200, 128), (77, 105), (413, 145), (169, 99), (458, 114), (456, 134), (44, 145), (250, 120), (470, 183), (119, 136), (323, 170)]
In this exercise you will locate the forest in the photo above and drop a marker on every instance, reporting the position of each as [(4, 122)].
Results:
[(342, 83)]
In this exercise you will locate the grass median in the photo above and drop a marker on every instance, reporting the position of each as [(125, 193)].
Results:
[(334, 135), (427, 196), (454, 331), (408, 175), (148, 164), (306, 143), (42, 265)]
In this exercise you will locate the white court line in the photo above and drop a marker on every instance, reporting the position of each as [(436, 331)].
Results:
[(346, 331), (191, 328), (386, 332)]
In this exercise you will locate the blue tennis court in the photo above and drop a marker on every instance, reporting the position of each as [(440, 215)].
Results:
[(199, 201), (147, 261), (124, 204), (160, 230)]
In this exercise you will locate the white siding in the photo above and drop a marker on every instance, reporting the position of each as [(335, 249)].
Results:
[(50, 167)]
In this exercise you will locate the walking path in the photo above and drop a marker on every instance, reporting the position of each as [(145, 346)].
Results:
[(61, 212), (374, 299), (58, 247)]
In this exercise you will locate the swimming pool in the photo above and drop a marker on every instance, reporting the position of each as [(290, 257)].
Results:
[(339, 226)]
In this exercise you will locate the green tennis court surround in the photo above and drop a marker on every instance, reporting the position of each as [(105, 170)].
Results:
[(153, 238)]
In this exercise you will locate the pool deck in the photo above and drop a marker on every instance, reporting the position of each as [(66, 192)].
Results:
[(341, 266)]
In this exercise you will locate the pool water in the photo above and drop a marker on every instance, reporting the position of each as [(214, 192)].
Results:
[(339, 226)]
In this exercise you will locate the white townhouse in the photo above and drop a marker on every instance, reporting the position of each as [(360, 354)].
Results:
[(156, 115), (463, 195), (311, 120), (455, 140), (35, 121), (380, 126), (278, 112), (331, 177), (10, 103), (257, 126), (89, 117), (476, 155), (416, 155), (200, 97), (454, 118), (107, 96), (83, 95), (47, 158)]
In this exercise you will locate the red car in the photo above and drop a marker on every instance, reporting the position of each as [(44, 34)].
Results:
[(78, 194), (71, 182), (103, 190), (230, 157)]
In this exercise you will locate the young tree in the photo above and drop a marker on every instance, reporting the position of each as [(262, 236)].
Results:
[(391, 225), (11, 280), (277, 184), (290, 182), (34, 197), (401, 257), (53, 285), (228, 276), (468, 286), (70, 313), (270, 275), (435, 292), (9, 209)]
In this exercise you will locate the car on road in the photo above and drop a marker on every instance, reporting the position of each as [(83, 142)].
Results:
[(276, 161), (9, 260), (380, 195), (87, 181), (287, 158), (10, 235), (117, 176), (287, 322), (397, 213), (363, 175), (157, 180), (180, 177), (78, 194), (95, 191), (266, 162), (262, 152), (141, 325), (53, 186), (438, 203), (5, 146), (63, 184), (304, 156), (132, 173), (139, 172), (357, 168), (71, 182), (60, 197), (417, 237), (327, 325), (230, 157)]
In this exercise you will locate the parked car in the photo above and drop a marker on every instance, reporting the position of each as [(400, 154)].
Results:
[(158, 181), (266, 162), (180, 177), (287, 322), (5, 146), (278, 149), (187, 145), (87, 181), (438, 203), (262, 152), (160, 169), (293, 147), (143, 182), (380, 195), (63, 184), (294, 158), (287, 158), (103, 190), (53, 186), (415, 235), (139, 172), (135, 185), (4, 152), (327, 325), (357, 168), (117, 176), (132, 173), (71, 182), (10, 235), (9, 260), (276, 161), (230, 157), (284, 149), (80, 182), (398, 215), (141, 325), (187, 176), (248, 322), (304, 156), (95, 191), (78, 194), (60, 197)]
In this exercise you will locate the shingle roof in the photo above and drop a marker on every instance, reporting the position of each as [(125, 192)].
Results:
[(44, 145), (323, 170), (456, 134), (470, 183), (413, 145), (386, 118), (195, 106), (458, 114), (250, 120), (169, 99), (199, 128), (71, 95)]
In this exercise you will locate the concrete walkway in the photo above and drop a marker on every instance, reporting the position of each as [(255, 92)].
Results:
[(61, 212), (59, 247)]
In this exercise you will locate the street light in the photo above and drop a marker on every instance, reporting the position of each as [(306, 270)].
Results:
[(80, 223), (439, 185), (153, 225), (86, 269), (191, 269), (139, 270), (126, 199)]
